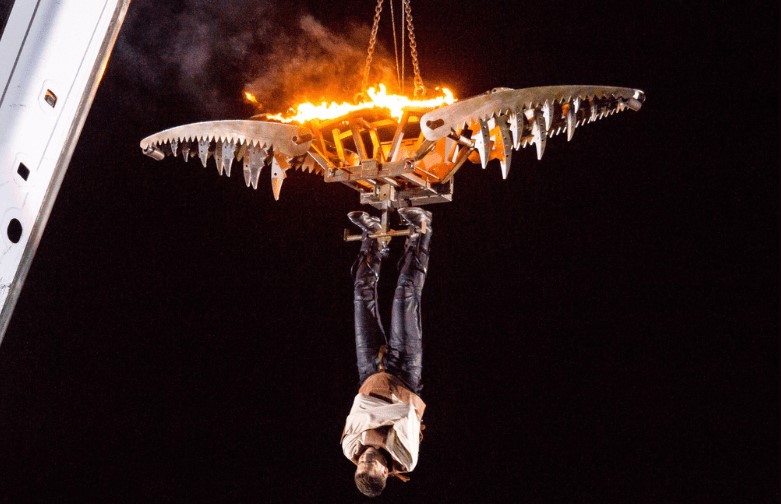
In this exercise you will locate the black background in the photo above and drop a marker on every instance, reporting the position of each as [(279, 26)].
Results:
[(601, 327)]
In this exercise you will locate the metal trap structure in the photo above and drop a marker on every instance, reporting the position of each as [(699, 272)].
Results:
[(394, 160), (394, 163)]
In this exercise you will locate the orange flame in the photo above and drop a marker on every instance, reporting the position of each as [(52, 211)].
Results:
[(250, 97), (378, 98)]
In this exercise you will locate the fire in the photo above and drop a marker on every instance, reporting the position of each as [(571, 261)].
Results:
[(250, 97), (378, 98)]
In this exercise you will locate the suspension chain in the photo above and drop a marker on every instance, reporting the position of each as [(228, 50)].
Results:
[(372, 43), (420, 89)]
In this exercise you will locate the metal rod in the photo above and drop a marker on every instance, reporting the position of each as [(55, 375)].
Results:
[(398, 137), (390, 233), (360, 147)]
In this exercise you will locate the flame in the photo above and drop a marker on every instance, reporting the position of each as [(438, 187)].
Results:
[(378, 98), (250, 97)]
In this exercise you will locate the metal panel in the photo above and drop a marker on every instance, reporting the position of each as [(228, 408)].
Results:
[(52, 57)]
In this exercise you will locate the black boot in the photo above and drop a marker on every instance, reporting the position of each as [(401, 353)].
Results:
[(368, 224), (417, 245), (415, 217), (372, 251)]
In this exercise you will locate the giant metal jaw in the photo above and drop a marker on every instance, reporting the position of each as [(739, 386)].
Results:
[(398, 163)]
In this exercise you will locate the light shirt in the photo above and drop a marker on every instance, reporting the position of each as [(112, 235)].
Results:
[(403, 439)]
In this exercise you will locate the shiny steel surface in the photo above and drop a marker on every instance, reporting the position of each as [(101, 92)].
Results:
[(381, 158)]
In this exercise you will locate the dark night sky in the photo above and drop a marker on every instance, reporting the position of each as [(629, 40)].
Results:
[(601, 327)]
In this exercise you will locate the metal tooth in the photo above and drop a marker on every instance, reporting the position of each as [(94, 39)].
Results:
[(308, 165), (186, 152), (516, 128), (571, 121), (254, 176), (576, 103), (593, 111), (253, 164), (218, 156), (546, 113), (246, 170), (277, 177), (174, 146), (505, 163), (540, 133), (228, 151), (507, 145), (482, 142), (203, 151), (276, 187)]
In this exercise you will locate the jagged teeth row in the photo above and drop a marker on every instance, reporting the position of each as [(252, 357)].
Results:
[(210, 138), (620, 102), (539, 119), (254, 155), (224, 151)]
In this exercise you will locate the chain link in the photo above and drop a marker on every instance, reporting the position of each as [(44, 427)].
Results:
[(372, 43), (420, 89)]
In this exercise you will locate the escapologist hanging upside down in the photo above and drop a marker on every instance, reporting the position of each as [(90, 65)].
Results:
[(382, 433), (413, 162), (395, 151)]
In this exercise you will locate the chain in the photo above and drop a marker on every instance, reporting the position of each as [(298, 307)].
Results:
[(372, 43), (403, 50), (420, 89)]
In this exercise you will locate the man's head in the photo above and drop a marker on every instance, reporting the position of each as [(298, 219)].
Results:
[(372, 472)]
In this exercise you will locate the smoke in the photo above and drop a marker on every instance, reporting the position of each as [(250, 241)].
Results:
[(313, 63), (207, 53)]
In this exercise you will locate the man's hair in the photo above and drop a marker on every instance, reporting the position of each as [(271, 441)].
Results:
[(370, 485)]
